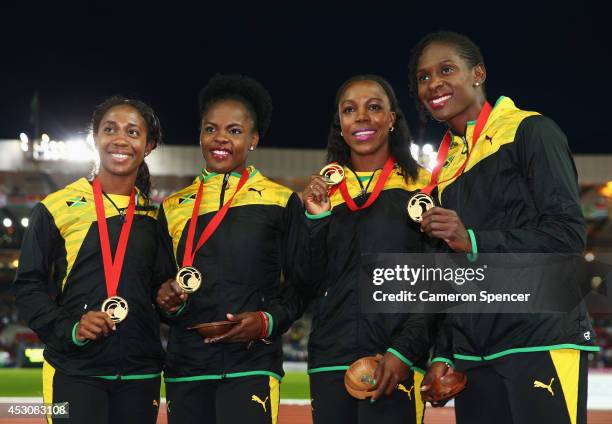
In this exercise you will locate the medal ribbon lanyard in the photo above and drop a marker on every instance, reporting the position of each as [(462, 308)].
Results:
[(384, 176), (112, 269), (483, 116), (189, 254)]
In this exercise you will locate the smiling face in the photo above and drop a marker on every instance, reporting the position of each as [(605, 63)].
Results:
[(448, 87), (366, 119), (227, 134), (121, 140)]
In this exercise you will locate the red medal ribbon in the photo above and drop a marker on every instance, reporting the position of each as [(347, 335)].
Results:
[(189, 255), (112, 269), (384, 176), (483, 116)]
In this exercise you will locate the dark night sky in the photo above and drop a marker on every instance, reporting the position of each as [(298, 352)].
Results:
[(557, 63)]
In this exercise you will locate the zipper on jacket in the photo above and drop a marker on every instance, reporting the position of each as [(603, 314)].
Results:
[(121, 357), (466, 146), (223, 185), (458, 181)]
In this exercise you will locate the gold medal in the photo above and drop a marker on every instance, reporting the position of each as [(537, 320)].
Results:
[(332, 174), (418, 205), (189, 279), (116, 307)]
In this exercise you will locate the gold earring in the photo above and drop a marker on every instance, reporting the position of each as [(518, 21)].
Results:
[(392, 128), (476, 84), (252, 148), (341, 135)]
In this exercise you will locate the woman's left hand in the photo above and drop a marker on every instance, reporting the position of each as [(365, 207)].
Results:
[(390, 371), (445, 224), (249, 327)]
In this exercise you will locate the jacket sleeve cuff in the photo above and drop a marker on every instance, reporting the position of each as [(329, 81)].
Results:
[(270, 324), (317, 216), (401, 357), (74, 337), (445, 360), (474, 254), (176, 313)]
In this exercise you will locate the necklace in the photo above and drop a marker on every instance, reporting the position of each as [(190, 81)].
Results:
[(120, 210), (364, 190)]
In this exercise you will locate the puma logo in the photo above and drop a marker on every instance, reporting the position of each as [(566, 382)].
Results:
[(155, 404), (489, 139), (541, 385), (402, 388), (258, 191), (256, 398)]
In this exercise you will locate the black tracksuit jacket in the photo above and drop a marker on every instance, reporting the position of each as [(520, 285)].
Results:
[(61, 277)]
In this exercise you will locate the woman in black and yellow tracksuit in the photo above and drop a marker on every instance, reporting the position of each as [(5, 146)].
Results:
[(370, 139), (517, 193), (241, 264), (105, 371)]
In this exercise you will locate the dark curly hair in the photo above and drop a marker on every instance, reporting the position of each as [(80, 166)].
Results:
[(464, 46), (399, 140), (154, 133), (243, 89)]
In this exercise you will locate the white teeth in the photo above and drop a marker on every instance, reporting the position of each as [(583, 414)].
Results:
[(369, 132), (220, 152), (441, 99), (119, 156)]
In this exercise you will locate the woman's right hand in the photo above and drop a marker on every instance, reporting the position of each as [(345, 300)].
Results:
[(94, 325), (170, 296), (315, 196), (435, 372)]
